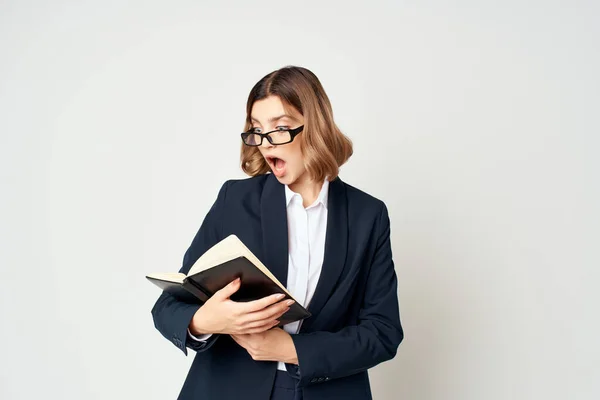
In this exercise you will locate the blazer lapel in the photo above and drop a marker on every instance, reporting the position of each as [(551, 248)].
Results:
[(273, 214), (336, 242)]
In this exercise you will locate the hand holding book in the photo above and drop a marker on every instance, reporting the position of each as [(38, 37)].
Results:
[(249, 304), (220, 314)]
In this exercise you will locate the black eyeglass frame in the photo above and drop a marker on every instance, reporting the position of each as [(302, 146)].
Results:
[(293, 133)]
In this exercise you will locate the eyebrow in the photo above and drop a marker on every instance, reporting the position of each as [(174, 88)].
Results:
[(275, 118)]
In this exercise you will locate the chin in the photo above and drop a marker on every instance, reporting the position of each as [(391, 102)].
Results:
[(286, 179)]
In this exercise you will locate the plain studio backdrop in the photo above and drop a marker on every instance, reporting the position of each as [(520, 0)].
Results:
[(476, 122)]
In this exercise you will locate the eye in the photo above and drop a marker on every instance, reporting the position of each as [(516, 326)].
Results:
[(255, 130), (283, 128)]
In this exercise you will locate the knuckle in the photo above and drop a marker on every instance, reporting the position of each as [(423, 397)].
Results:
[(254, 307), (265, 315), (272, 309), (238, 312)]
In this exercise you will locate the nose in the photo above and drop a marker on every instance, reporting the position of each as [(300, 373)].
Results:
[(266, 144)]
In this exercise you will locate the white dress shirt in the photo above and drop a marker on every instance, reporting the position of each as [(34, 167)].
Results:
[(306, 247)]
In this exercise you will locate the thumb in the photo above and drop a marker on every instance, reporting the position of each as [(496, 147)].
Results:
[(228, 290)]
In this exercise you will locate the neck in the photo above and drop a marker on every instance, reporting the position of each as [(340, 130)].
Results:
[(308, 189)]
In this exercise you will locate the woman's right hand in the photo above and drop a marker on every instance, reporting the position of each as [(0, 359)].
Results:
[(220, 314)]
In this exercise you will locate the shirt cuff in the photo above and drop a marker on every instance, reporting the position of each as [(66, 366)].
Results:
[(201, 338)]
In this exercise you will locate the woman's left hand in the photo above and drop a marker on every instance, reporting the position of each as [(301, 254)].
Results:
[(271, 345)]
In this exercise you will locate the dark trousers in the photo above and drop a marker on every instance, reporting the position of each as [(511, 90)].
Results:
[(284, 387)]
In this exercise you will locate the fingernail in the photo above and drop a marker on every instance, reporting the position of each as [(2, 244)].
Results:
[(280, 296), (290, 302)]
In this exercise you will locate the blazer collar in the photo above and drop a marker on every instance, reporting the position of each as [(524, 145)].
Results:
[(275, 239), (273, 215)]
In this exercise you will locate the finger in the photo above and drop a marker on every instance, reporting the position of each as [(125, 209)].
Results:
[(269, 313), (259, 323), (236, 337), (259, 304), (237, 340), (261, 328), (228, 290)]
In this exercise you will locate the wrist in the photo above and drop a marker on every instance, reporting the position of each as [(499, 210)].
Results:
[(196, 327), (291, 357)]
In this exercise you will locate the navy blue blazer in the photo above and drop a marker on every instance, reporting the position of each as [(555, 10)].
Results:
[(355, 322)]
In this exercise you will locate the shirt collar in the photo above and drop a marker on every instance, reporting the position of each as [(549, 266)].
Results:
[(321, 198)]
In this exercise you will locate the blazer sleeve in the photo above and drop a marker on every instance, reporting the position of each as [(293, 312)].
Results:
[(171, 316), (323, 356)]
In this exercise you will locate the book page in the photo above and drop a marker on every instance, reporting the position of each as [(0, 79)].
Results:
[(227, 249), (176, 277)]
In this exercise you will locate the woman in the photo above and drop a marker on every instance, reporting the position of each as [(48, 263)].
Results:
[(330, 243)]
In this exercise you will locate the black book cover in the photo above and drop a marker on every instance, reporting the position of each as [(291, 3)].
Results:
[(199, 287), (254, 285)]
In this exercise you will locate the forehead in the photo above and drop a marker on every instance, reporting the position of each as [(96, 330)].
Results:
[(272, 109)]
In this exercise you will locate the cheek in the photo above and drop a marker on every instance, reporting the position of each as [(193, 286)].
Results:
[(296, 157), (296, 151)]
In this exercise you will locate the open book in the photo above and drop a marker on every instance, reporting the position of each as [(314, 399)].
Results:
[(217, 267)]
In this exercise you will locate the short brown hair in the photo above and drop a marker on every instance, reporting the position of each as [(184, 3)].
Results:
[(324, 147)]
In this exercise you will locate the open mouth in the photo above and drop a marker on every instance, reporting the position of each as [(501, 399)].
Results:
[(277, 165)]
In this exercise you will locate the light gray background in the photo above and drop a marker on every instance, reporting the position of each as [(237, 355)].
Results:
[(476, 122)]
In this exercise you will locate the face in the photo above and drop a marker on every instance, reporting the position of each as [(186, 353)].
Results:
[(285, 160)]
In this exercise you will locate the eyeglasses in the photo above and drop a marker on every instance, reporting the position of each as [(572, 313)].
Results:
[(278, 136)]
